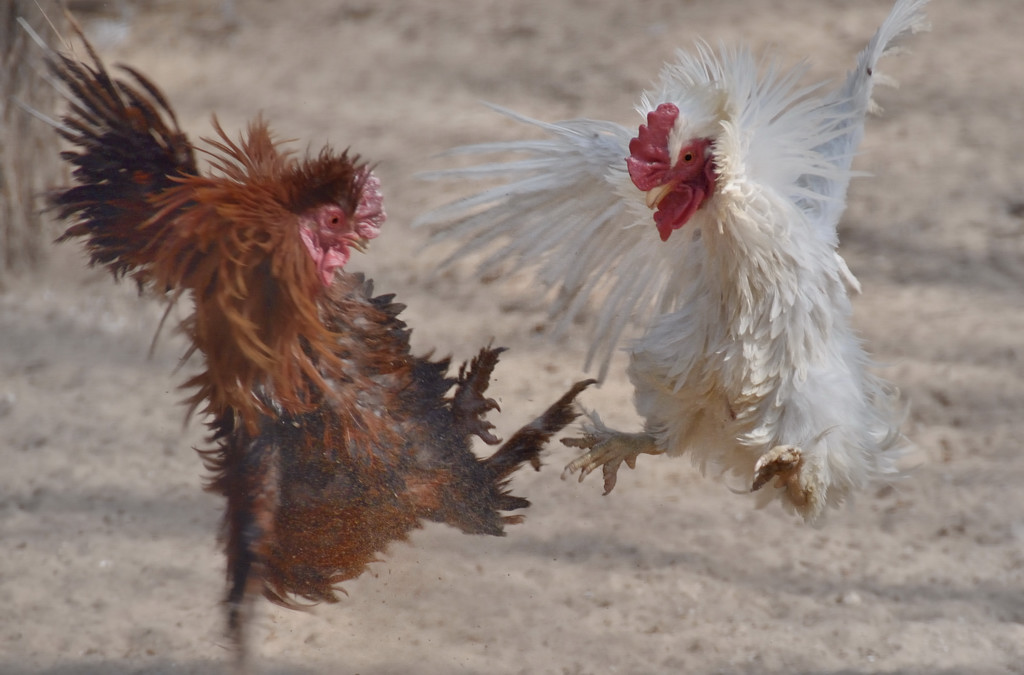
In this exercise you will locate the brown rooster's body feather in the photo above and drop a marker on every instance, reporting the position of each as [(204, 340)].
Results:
[(331, 439), (338, 482)]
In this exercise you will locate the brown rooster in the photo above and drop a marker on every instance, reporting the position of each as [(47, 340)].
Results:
[(330, 438)]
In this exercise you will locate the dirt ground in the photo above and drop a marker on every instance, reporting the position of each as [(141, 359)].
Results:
[(108, 558)]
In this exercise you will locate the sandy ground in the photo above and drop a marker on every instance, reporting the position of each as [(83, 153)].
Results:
[(108, 560)]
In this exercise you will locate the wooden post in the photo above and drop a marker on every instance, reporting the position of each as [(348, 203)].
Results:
[(29, 161)]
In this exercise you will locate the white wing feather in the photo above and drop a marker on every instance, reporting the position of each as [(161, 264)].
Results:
[(850, 104), (564, 209), (568, 208)]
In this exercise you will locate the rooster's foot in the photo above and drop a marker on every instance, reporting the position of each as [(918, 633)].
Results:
[(783, 463), (608, 449)]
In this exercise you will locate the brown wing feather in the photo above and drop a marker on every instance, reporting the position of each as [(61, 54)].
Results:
[(230, 240), (127, 149)]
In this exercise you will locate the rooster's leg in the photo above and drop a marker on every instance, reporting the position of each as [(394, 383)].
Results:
[(239, 606), (250, 484), (469, 405), (608, 449)]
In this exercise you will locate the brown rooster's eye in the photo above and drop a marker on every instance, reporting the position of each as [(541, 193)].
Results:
[(688, 157)]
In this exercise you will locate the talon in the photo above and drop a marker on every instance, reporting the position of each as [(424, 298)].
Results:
[(782, 462), (607, 449), (585, 465), (611, 475), (580, 462)]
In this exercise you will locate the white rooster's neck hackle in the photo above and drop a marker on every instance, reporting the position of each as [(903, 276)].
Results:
[(765, 127)]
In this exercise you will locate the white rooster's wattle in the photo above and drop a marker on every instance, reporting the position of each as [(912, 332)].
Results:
[(714, 228)]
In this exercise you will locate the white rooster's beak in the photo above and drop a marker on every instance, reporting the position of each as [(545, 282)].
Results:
[(655, 195)]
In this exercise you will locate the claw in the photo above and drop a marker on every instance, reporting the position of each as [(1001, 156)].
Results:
[(469, 405), (782, 462), (611, 474), (607, 449), (586, 462)]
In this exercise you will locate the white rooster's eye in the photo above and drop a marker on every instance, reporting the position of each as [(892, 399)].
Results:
[(688, 157)]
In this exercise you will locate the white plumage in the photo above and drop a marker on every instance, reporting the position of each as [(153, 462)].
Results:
[(748, 361)]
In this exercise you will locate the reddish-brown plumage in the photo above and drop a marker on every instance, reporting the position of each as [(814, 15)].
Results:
[(330, 438), (233, 241)]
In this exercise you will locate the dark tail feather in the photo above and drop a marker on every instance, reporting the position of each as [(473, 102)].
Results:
[(127, 149), (525, 445)]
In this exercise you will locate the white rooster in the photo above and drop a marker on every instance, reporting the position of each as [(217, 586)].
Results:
[(714, 228)]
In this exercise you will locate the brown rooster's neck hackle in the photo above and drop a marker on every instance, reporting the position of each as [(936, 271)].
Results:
[(236, 245), (231, 239), (298, 186)]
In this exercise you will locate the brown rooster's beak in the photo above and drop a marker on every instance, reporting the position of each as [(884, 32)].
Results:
[(359, 243), (655, 195)]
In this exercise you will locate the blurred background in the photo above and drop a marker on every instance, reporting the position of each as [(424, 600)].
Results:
[(108, 558)]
